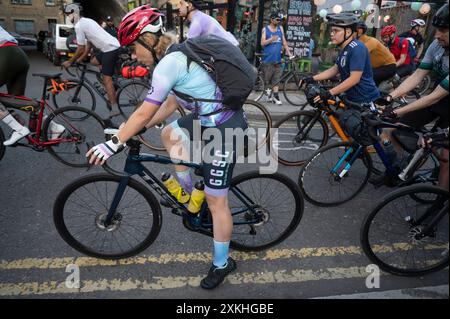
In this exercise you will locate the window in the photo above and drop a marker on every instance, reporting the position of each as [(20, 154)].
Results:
[(3, 23), (27, 2), (50, 2), (51, 24), (24, 27)]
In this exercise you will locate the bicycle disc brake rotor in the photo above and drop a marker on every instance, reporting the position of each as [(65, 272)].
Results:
[(115, 222), (261, 215)]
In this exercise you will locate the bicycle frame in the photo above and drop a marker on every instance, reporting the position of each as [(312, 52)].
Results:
[(133, 166), (36, 140), (84, 79)]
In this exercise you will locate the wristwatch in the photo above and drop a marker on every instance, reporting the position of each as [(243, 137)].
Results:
[(115, 139)]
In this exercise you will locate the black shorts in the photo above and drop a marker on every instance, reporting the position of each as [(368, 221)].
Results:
[(405, 70), (384, 73), (218, 168), (108, 61), (423, 117)]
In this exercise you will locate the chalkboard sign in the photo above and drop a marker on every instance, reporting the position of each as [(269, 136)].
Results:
[(299, 27)]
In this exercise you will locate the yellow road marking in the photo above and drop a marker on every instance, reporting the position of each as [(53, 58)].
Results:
[(58, 263), (159, 283)]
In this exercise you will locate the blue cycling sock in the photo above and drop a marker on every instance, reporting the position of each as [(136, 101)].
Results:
[(221, 254), (185, 180)]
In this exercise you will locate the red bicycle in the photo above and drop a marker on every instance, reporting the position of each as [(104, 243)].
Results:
[(82, 127)]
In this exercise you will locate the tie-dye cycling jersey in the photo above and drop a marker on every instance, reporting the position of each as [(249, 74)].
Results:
[(202, 25), (171, 73)]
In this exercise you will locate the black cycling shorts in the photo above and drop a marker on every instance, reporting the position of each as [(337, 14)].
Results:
[(218, 170), (108, 61), (405, 70), (423, 117), (384, 73)]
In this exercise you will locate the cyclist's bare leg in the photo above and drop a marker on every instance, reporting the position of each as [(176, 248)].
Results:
[(221, 214), (111, 92)]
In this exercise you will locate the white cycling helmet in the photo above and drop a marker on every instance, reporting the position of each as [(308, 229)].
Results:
[(73, 12), (417, 22)]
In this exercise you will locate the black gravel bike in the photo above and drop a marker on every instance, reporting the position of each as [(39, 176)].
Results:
[(114, 216)]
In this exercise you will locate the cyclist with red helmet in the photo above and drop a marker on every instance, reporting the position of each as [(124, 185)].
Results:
[(399, 48), (143, 30)]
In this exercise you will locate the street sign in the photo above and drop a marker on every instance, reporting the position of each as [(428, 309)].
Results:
[(299, 27)]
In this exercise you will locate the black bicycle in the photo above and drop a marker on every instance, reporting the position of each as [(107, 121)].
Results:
[(79, 91), (406, 237), (290, 81), (114, 216)]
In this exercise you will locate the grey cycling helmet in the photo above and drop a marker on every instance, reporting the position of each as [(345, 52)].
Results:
[(344, 20)]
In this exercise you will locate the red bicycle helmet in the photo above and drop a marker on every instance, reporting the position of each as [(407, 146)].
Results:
[(388, 30), (138, 21)]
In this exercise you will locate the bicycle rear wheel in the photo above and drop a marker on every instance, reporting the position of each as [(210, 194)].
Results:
[(76, 94), (278, 209), (297, 136), (78, 136), (81, 208), (321, 180), (390, 233), (293, 93), (259, 123)]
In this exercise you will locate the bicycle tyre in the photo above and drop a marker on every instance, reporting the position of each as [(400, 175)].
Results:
[(2, 147), (371, 252), (311, 193), (259, 88), (66, 98), (293, 78), (59, 214), (297, 203), (321, 141), (74, 128), (258, 118)]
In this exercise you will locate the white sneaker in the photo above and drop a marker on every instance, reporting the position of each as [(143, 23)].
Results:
[(276, 101), (55, 130), (17, 135)]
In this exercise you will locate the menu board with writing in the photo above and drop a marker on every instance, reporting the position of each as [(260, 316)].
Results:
[(299, 27)]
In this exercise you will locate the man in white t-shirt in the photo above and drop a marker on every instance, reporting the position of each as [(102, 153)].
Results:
[(90, 32)]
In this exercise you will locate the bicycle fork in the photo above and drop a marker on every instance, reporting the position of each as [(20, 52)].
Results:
[(353, 155)]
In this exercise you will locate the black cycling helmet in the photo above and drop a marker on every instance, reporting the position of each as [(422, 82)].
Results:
[(440, 19), (361, 25), (344, 20)]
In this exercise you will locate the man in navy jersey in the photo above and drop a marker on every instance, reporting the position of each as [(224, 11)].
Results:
[(353, 63)]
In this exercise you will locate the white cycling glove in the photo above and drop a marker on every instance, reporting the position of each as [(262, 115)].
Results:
[(105, 150)]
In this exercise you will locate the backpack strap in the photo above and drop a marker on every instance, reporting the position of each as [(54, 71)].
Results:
[(190, 99)]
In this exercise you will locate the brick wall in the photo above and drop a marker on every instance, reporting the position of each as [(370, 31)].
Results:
[(38, 12)]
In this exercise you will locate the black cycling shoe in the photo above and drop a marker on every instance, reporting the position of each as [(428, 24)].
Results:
[(216, 276)]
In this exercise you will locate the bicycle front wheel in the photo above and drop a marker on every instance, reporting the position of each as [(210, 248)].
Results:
[(325, 180), (81, 209), (76, 94), (2, 147), (297, 136), (130, 96), (277, 210), (74, 137), (392, 233), (258, 89)]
